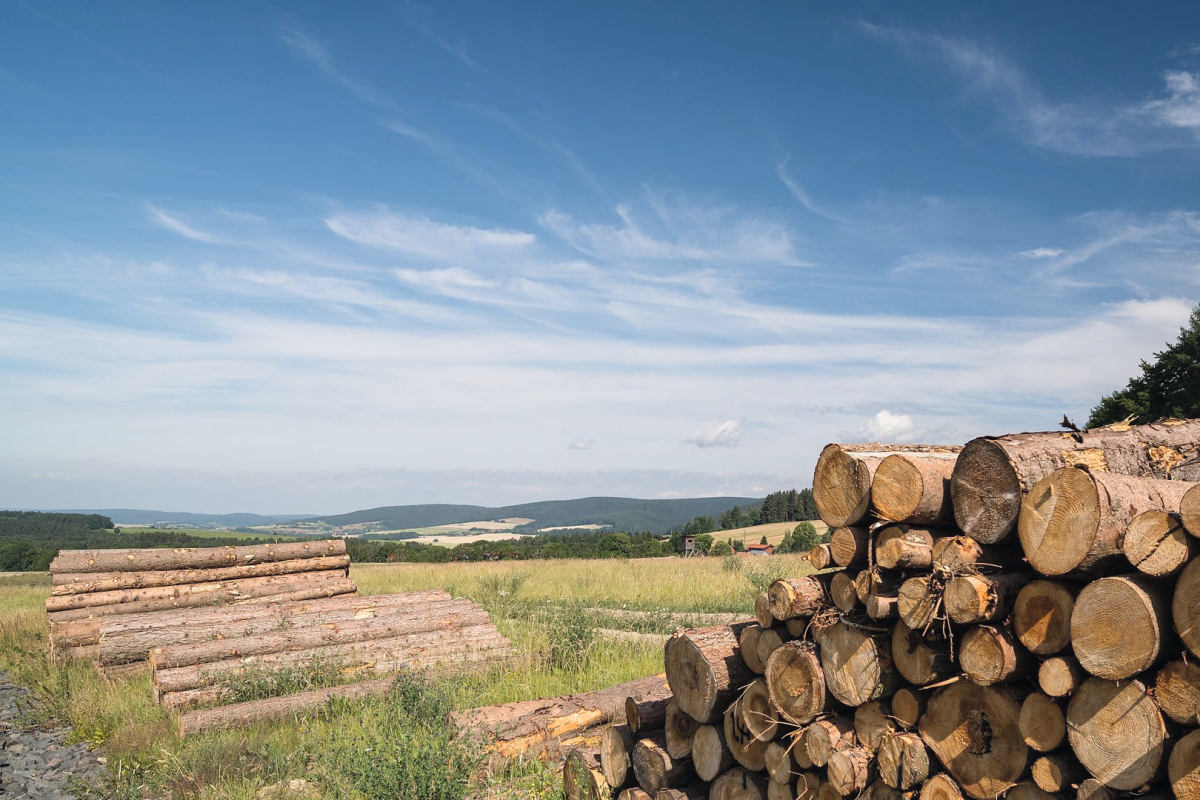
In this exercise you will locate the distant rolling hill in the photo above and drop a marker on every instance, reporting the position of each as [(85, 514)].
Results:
[(622, 513), (140, 516)]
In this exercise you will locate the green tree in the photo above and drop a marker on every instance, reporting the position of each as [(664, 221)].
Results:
[(721, 549), (1169, 386), (704, 543), (804, 537), (763, 540)]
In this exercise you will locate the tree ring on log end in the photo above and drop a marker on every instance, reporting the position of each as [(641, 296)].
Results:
[(1115, 629), (841, 487), (986, 491), (1058, 521), (1117, 732), (975, 732), (852, 664), (796, 682)]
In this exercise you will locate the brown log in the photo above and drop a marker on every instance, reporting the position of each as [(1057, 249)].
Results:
[(1043, 724), (849, 545), (842, 480), (582, 776), (1156, 544), (873, 723), (768, 642), (1041, 616), (645, 714), (908, 704), (780, 791), (825, 736), (820, 556), (747, 750), (76, 561), (858, 667), (958, 554), (1121, 626), (797, 627), (86, 582), (1028, 790), (903, 761), (881, 791), (842, 593), (779, 762), (705, 669), (616, 755), (697, 792), (316, 584), (1117, 732), (992, 475), (1185, 606), (807, 786), (975, 733), (904, 547), (1189, 511), (1056, 772), (1092, 789), (1177, 692), (796, 597), (738, 784), (762, 611), (679, 730), (655, 768), (913, 490), (883, 606), (710, 753), (1075, 521), (795, 740), (634, 793), (1184, 766), (989, 654), (873, 581), (1060, 676), (972, 599), (757, 712), (239, 714), (748, 648), (918, 601), (941, 787), (920, 659), (850, 770)]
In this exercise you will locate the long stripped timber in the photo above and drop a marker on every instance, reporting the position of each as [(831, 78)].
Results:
[(75, 561), (87, 582)]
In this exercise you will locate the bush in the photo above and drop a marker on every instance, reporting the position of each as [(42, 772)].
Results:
[(804, 537), (720, 549)]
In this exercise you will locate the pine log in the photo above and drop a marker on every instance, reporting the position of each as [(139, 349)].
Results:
[(797, 627), (958, 554), (921, 659), (992, 475), (881, 791), (705, 669), (762, 611), (1184, 766), (989, 654), (820, 556), (240, 714), (1121, 626), (1056, 772), (75, 561), (1177, 692), (908, 704), (779, 762), (710, 753), (582, 776), (697, 792), (841, 591), (827, 792), (913, 490), (1185, 607), (849, 545), (1041, 616), (738, 784), (634, 793), (883, 606), (1075, 521), (850, 770), (873, 723), (1117, 732), (941, 787), (874, 581), (904, 547), (1156, 544), (768, 642), (655, 768), (616, 748), (858, 667), (748, 648), (825, 736), (86, 582), (747, 750), (918, 601), (975, 732), (646, 713), (1060, 676), (972, 599), (758, 714), (807, 786), (796, 597), (1043, 724), (1028, 790), (780, 791), (796, 682), (1092, 789), (679, 730), (842, 481), (1189, 511), (903, 761), (795, 740)]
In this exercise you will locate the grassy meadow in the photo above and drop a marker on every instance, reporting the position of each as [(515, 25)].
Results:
[(575, 626)]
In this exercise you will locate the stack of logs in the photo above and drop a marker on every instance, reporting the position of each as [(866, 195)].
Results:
[(1017, 618)]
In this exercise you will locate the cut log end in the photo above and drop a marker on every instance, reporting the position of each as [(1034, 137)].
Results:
[(1042, 617), (1119, 626), (1157, 544), (1042, 722), (1059, 520), (986, 492), (1116, 732)]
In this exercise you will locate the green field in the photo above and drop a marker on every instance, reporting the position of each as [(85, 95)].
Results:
[(558, 615), (209, 534)]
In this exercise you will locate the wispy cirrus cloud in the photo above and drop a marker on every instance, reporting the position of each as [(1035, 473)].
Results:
[(307, 47), (419, 17), (174, 223), (426, 238), (717, 433)]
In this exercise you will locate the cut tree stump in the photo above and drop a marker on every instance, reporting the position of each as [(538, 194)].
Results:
[(1121, 626), (647, 713), (1117, 732), (762, 611), (913, 490), (820, 556), (958, 554), (1057, 772), (842, 480), (768, 642), (975, 732)]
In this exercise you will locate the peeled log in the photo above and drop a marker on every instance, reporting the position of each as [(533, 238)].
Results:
[(918, 601), (737, 784), (158, 558), (710, 754), (759, 716), (841, 591), (850, 770), (796, 597), (825, 736), (820, 556), (1043, 723), (1119, 626), (914, 490), (903, 761), (992, 474), (679, 730), (941, 787), (849, 546), (705, 669), (1185, 607), (1177, 691), (747, 750), (1060, 676), (904, 547), (842, 480), (1156, 544), (975, 733), (971, 599), (989, 654), (1117, 732), (920, 659), (1184, 767), (582, 777), (1041, 617), (656, 769), (858, 668), (85, 582), (616, 747), (1073, 520), (796, 682)]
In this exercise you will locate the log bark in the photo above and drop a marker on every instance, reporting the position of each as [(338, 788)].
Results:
[(1117, 732), (616, 748), (1043, 724), (239, 714), (842, 480), (1177, 692), (941, 787), (1185, 607), (959, 554), (710, 753), (1041, 616), (849, 545), (850, 770), (679, 730), (1157, 545), (1060, 676), (975, 733), (87, 582), (647, 713), (76, 561), (1075, 521), (768, 642), (796, 597), (919, 658), (1121, 626), (992, 475), (1184, 766), (914, 490), (655, 768), (918, 601), (903, 761), (841, 591), (904, 547), (825, 736), (758, 714), (820, 556), (582, 776), (972, 599), (705, 669), (908, 704), (873, 723), (748, 647), (738, 784), (747, 750), (1057, 772), (762, 611), (990, 654), (796, 682), (858, 667)]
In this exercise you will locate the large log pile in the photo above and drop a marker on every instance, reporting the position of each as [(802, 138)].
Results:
[(946, 658)]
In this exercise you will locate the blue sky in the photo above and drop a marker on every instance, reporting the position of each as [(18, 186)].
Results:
[(290, 258)]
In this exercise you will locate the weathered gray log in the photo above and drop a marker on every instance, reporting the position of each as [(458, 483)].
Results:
[(86, 582), (76, 561)]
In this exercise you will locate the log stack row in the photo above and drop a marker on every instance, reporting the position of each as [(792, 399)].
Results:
[(1017, 618)]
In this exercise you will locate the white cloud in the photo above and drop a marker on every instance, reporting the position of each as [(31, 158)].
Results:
[(798, 192), (1181, 106), (1041, 252), (177, 225), (421, 236), (581, 444), (888, 427), (717, 434), (307, 47)]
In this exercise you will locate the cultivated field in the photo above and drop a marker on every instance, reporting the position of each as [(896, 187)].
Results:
[(576, 626)]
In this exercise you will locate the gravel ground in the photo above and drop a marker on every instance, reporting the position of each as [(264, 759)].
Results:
[(37, 762)]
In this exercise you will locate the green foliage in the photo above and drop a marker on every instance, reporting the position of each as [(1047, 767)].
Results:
[(802, 539), (720, 549), (257, 682), (765, 571), (704, 543), (562, 544), (731, 563), (789, 506), (763, 540), (572, 634), (1169, 386)]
